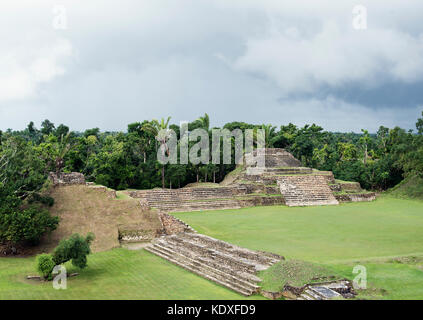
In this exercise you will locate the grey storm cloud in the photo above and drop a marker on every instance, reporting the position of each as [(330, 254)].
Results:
[(254, 61)]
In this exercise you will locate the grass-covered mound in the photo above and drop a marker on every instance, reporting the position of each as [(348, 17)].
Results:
[(410, 187), (294, 273), (84, 209)]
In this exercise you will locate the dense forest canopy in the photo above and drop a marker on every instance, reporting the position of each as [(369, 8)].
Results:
[(122, 160)]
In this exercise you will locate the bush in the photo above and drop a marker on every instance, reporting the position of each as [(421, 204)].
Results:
[(46, 200), (27, 225), (45, 265), (76, 248)]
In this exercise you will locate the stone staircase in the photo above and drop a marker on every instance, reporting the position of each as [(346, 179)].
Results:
[(176, 205), (191, 199), (218, 261), (306, 190), (278, 171), (327, 291)]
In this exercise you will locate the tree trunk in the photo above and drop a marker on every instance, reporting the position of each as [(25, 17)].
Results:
[(197, 178), (145, 156), (214, 176), (205, 177), (365, 156), (163, 177)]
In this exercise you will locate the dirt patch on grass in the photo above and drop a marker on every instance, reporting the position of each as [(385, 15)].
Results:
[(408, 260), (84, 209)]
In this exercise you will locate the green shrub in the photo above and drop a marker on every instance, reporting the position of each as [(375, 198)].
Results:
[(27, 225), (76, 248), (46, 200), (45, 265)]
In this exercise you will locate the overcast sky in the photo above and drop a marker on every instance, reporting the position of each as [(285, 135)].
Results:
[(109, 63)]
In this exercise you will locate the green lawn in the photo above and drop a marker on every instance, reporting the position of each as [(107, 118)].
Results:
[(387, 227), (115, 274), (338, 237)]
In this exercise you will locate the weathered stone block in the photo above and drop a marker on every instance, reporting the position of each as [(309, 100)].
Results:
[(63, 179)]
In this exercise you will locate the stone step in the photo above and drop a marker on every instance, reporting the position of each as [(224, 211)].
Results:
[(288, 170), (177, 206), (324, 292), (304, 296), (234, 262), (231, 249), (312, 294), (208, 269), (306, 190), (233, 287), (216, 260), (246, 256)]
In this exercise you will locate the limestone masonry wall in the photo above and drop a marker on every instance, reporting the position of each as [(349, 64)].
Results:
[(275, 157), (356, 197), (109, 192), (62, 178), (305, 190), (173, 225), (351, 187)]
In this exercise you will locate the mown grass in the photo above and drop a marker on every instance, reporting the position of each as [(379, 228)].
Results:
[(294, 273), (386, 227), (338, 237), (114, 274), (411, 187)]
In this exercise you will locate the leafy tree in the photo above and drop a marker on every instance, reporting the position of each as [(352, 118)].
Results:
[(31, 128), (205, 122), (111, 164), (347, 151), (364, 141), (61, 131), (25, 226), (161, 132), (45, 265), (75, 249), (92, 132), (53, 150), (382, 135), (305, 141), (47, 127), (419, 125), (269, 134)]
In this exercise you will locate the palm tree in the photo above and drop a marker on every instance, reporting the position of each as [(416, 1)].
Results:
[(364, 141), (205, 121), (62, 150), (161, 133), (269, 132)]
